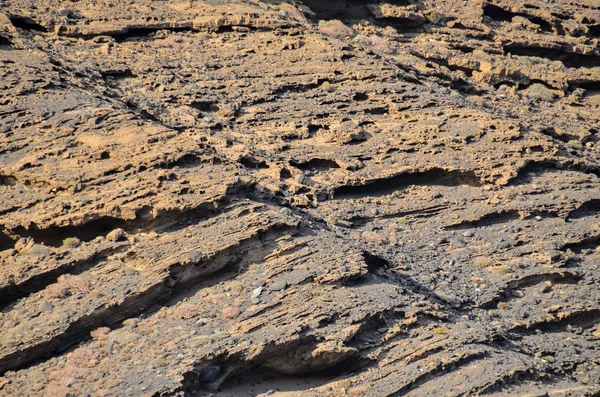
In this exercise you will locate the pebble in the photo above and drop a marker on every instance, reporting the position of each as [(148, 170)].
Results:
[(299, 178), (64, 12), (505, 245), (115, 235), (286, 211), (256, 293), (195, 256), (468, 233), (458, 243)]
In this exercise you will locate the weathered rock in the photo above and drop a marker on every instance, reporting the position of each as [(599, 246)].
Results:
[(398, 199)]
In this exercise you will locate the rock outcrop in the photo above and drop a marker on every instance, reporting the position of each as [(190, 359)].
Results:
[(234, 198)]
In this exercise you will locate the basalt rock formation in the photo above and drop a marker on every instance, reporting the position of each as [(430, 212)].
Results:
[(345, 198)]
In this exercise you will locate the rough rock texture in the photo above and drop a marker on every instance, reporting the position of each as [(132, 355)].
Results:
[(345, 198)]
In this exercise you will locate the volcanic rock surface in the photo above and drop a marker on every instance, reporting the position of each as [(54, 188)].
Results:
[(344, 198)]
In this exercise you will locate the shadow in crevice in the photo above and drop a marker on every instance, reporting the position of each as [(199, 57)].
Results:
[(569, 59), (348, 9), (26, 24), (384, 186), (501, 15)]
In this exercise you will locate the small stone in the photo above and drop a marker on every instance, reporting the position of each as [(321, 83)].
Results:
[(505, 244), (195, 256), (229, 313), (286, 211), (554, 256), (468, 233), (446, 297), (299, 178), (458, 243), (255, 301), (180, 355), (64, 12), (374, 211), (46, 306), (256, 293), (115, 235)]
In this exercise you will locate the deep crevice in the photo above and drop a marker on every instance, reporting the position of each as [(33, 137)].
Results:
[(569, 59), (316, 165), (205, 106), (5, 42), (551, 132), (276, 361), (591, 207), (540, 167), (26, 24), (8, 180), (384, 186), (591, 242), (142, 33), (501, 15), (582, 319), (495, 218), (6, 242), (253, 163)]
